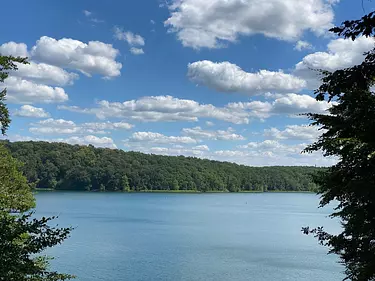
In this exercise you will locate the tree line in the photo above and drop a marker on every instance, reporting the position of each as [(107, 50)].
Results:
[(62, 166)]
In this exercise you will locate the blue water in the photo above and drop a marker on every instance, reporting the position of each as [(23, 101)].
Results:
[(191, 237)]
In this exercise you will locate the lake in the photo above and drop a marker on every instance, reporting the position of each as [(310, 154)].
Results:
[(191, 237)]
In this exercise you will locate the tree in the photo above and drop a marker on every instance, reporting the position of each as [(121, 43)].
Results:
[(125, 183), (22, 237), (350, 136), (7, 63), (65, 167), (175, 185), (15, 193)]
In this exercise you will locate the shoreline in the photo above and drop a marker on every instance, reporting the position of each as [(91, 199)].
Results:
[(174, 191)]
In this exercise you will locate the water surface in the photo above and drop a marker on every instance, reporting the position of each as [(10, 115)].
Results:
[(190, 237)]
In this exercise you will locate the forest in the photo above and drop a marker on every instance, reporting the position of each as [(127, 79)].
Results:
[(61, 166)]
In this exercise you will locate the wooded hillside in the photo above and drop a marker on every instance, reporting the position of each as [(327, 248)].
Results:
[(72, 167)]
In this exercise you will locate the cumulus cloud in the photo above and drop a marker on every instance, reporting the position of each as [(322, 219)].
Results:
[(171, 151), (213, 23), (136, 51), (129, 37), (302, 45), (288, 104), (201, 147), (157, 138), (54, 126), (14, 49), (31, 111), (32, 82), (341, 53), (60, 126), (93, 58), (104, 142), (199, 133), (108, 125), (162, 109), (264, 153), (228, 77), (28, 92), (294, 132), (45, 73), (170, 109)]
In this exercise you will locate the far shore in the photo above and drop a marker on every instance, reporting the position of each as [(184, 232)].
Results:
[(172, 191)]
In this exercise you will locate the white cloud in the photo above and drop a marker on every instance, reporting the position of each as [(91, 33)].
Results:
[(228, 77), (32, 83), (152, 21), (104, 142), (162, 109), (93, 58), (136, 51), (95, 20), (87, 13), (108, 125), (209, 123), (170, 109), (341, 53), (27, 92), (45, 73), (172, 151), (269, 152), (302, 45), (60, 126), (157, 138), (129, 37), (288, 104), (14, 49), (31, 111), (54, 126), (298, 104), (294, 132), (201, 147), (199, 133), (265, 153), (18, 137), (213, 23)]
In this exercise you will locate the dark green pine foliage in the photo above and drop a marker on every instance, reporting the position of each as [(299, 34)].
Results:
[(350, 136), (73, 167)]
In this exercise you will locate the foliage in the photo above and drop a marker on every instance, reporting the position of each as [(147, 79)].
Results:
[(15, 193), (7, 63), (64, 166), (350, 136), (21, 239)]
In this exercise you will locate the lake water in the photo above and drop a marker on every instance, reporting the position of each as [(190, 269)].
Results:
[(190, 237)]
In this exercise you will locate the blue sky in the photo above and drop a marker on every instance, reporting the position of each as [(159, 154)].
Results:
[(214, 79)]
